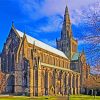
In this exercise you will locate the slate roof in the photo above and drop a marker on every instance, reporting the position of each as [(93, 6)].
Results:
[(42, 45)]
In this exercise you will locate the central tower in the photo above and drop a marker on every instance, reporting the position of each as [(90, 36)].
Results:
[(66, 43)]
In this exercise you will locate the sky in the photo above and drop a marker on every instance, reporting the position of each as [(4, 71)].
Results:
[(41, 19)]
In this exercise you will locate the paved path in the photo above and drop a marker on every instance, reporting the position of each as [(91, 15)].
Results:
[(62, 98)]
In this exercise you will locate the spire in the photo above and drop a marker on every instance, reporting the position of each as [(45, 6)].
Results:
[(13, 24), (24, 35), (67, 17), (83, 51), (66, 10), (66, 24)]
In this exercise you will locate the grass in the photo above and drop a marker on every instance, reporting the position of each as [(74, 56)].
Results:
[(72, 97), (84, 97)]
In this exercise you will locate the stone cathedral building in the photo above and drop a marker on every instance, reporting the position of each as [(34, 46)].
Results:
[(31, 67)]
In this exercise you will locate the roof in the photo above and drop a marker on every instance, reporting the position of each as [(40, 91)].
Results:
[(76, 56), (42, 45)]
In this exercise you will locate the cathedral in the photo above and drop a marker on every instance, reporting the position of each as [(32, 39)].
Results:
[(31, 67)]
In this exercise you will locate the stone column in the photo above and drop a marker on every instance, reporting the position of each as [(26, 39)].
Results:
[(67, 84), (42, 82), (75, 84), (48, 80), (61, 84), (31, 88), (71, 82), (55, 87), (39, 80), (78, 90)]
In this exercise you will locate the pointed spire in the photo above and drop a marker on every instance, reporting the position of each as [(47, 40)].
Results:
[(24, 35), (13, 24), (66, 10), (56, 39), (67, 17), (67, 24), (83, 51)]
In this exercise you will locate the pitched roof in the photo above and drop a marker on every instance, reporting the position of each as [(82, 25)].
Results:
[(75, 56), (42, 45)]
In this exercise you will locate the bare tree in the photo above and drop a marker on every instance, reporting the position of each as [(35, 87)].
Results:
[(91, 36)]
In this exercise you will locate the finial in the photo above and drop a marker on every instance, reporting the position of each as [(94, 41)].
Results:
[(83, 51), (33, 42), (24, 35), (66, 9), (56, 39), (24, 32), (12, 23)]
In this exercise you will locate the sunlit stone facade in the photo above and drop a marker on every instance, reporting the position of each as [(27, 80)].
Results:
[(34, 68)]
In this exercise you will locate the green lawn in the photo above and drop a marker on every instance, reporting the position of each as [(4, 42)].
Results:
[(84, 97), (73, 97)]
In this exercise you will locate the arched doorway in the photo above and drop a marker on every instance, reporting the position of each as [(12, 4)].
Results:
[(11, 84)]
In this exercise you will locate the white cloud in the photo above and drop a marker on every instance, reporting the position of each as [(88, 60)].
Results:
[(54, 24), (76, 7), (48, 8), (37, 10), (89, 40), (78, 4)]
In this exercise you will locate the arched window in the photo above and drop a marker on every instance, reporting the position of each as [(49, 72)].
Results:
[(13, 62), (25, 79)]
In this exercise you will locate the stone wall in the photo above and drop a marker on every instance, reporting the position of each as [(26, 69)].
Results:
[(0, 62)]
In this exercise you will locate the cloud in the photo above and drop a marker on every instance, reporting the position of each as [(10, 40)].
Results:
[(94, 40), (78, 4), (54, 24), (76, 9), (37, 9)]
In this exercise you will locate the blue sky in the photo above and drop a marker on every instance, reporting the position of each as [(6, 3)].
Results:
[(41, 19)]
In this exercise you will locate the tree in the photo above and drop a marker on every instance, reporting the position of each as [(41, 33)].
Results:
[(93, 82), (91, 36)]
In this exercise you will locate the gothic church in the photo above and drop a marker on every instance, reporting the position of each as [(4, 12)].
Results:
[(31, 67)]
